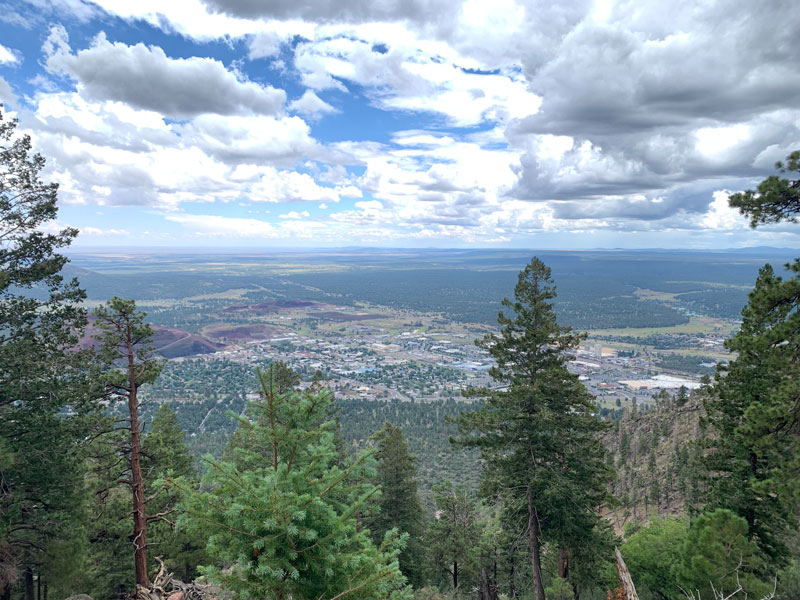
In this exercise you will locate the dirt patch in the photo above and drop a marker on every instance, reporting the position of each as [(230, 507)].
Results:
[(169, 342), (247, 332)]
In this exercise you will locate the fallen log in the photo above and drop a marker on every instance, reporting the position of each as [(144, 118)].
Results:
[(626, 589)]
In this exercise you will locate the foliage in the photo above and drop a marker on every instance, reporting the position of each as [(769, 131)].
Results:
[(776, 199), (717, 551), (452, 537), (754, 412), (108, 568), (398, 505), (536, 433), (41, 318), (652, 552), (164, 454), (286, 521), (559, 589), (789, 581)]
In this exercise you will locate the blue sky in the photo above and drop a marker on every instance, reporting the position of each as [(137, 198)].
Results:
[(312, 123)]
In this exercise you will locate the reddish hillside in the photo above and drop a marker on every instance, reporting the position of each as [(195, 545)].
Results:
[(246, 332), (169, 342)]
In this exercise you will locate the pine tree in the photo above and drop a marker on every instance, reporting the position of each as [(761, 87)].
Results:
[(399, 506), (41, 320), (126, 347), (453, 536), (284, 513), (165, 455), (717, 553), (536, 433), (776, 198), (755, 412)]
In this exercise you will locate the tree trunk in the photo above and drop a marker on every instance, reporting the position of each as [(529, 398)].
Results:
[(29, 590), (455, 575), (533, 544), (487, 590), (563, 562), (139, 514), (512, 587), (39, 587)]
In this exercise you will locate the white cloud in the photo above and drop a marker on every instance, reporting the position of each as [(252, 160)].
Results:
[(216, 226), (251, 139), (405, 74), (312, 106), (110, 153), (7, 56), (96, 231), (6, 93), (295, 215), (145, 77), (721, 216), (193, 19), (586, 116)]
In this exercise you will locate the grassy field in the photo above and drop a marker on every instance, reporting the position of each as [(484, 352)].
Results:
[(654, 295), (695, 326)]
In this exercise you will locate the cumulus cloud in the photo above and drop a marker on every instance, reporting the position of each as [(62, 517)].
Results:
[(293, 214), (247, 139), (145, 77), (97, 231), (405, 75), (580, 116), (312, 106), (332, 11), (110, 153), (643, 103)]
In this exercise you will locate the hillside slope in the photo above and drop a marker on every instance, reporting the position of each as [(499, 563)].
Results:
[(655, 455)]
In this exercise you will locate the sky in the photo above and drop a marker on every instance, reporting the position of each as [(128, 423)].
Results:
[(405, 123)]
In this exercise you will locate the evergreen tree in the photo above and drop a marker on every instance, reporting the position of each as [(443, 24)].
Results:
[(453, 536), (399, 506), (164, 448), (126, 347), (280, 380), (41, 320), (755, 412), (108, 567), (776, 198), (536, 432), (165, 455), (283, 516), (717, 553)]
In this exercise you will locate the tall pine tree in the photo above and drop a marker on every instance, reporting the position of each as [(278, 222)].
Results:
[(755, 411), (536, 430), (41, 319), (399, 506), (126, 347)]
